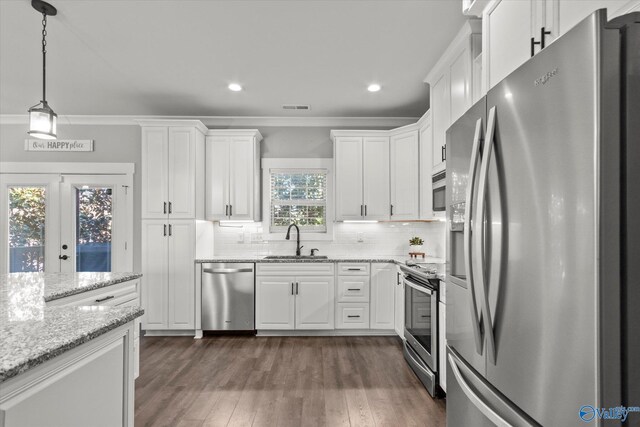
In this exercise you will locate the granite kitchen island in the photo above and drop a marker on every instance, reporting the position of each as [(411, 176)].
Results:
[(68, 348)]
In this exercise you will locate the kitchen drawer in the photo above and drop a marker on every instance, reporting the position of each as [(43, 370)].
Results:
[(109, 295), (295, 268), (353, 268), (352, 315), (353, 289)]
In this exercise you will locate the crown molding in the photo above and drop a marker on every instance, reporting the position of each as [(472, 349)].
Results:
[(224, 121)]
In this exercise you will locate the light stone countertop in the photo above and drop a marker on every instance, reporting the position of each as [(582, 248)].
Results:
[(32, 333), (398, 259)]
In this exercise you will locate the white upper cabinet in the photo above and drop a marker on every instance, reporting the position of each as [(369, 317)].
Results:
[(425, 136), (233, 175), (507, 42), (375, 156), (348, 177), (452, 86), (405, 194), (514, 31), (172, 169), (362, 175)]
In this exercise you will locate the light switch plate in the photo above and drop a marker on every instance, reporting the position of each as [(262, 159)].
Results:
[(360, 237)]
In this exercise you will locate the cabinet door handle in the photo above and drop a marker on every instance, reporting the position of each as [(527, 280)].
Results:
[(165, 230), (391, 210), (292, 289), (297, 288), (533, 44), (170, 227), (164, 209), (361, 211), (105, 298), (230, 210), (443, 153), (352, 316), (543, 33), (365, 210), (170, 207), (353, 289)]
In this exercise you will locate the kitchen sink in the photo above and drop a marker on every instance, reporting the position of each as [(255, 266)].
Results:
[(295, 257)]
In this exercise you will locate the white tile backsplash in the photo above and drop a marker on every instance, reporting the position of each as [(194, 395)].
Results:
[(377, 239)]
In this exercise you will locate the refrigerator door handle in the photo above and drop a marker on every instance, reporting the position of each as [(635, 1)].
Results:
[(473, 166), (477, 401), (479, 228)]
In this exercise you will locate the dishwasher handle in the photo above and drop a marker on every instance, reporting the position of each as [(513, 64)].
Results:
[(227, 270)]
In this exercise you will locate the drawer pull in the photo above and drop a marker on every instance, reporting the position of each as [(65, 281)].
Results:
[(354, 269), (424, 316), (105, 298), (353, 289), (352, 316)]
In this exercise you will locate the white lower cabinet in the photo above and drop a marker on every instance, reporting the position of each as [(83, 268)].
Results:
[(399, 305), (123, 294), (294, 301), (275, 302), (352, 315), (90, 385), (383, 279), (168, 286)]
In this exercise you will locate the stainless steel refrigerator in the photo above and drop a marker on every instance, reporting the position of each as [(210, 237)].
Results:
[(543, 237)]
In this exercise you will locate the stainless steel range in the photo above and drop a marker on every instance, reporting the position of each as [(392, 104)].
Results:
[(421, 323)]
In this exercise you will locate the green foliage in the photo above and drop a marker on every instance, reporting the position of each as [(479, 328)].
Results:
[(27, 216), (94, 215), (416, 241)]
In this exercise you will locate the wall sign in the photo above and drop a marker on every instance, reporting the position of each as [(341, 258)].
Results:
[(58, 145)]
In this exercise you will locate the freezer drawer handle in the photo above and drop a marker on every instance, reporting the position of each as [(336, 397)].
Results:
[(476, 400), (227, 270), (105, 298)]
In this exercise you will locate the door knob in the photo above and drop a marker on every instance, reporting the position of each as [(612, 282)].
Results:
[(65, 257)]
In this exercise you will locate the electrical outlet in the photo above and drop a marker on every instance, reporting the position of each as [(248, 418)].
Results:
[(241, 237), (256, 237), (360, 237)]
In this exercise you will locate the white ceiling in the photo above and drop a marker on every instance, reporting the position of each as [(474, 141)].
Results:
[(176, 57)]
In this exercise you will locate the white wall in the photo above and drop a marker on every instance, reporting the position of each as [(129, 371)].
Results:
[(112, 144), (379, 239)]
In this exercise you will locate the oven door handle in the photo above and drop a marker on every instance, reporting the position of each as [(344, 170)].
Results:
[(418, 288)]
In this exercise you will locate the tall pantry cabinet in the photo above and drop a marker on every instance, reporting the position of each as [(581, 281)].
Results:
[(173, 156)]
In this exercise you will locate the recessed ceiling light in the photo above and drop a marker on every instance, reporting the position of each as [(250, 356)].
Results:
[(235, 87), (373, 87)]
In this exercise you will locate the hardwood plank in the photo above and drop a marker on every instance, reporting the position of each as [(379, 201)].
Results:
[(280, 381)]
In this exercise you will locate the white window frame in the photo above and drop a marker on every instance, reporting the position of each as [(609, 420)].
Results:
[(279, 164), (74, 168)]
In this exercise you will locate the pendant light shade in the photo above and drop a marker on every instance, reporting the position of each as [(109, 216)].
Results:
[(42, 120)]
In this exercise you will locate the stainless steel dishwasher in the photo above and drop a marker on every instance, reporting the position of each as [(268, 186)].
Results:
[(228, 296)]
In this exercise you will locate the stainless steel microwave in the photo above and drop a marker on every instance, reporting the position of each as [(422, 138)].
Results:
[(439, 180)]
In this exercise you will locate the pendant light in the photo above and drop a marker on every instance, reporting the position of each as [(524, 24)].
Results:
[(42, 119)]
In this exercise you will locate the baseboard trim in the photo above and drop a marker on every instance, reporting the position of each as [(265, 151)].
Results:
[(169, 333), (327, 333)]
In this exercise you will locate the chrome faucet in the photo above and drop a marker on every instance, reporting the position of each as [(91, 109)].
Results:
[(288, 237)]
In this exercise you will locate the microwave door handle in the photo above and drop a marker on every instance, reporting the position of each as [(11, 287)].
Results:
[(473, 166), (479, 243)]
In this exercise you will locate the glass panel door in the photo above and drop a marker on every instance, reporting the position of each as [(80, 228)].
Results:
[(94, 227), (29, 223)]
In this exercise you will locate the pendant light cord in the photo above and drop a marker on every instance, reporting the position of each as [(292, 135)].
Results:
[(44, 57)]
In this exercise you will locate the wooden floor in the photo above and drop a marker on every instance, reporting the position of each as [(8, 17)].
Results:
[(280, 381)]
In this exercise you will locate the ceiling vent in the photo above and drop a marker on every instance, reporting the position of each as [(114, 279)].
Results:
[(296, 107)]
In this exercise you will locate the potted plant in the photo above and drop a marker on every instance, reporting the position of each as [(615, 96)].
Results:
[(415, 244)]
